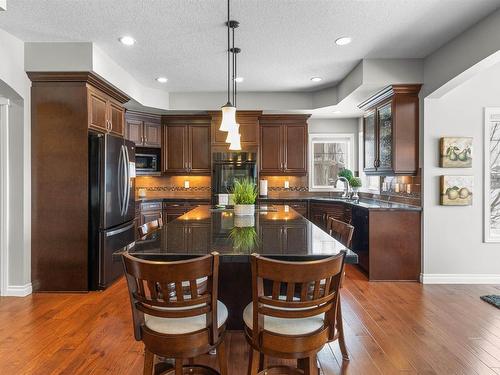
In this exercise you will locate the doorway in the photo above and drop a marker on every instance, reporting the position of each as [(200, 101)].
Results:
[(4, 195)]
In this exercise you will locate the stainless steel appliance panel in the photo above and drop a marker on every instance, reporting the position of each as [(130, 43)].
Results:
[(112, 243)]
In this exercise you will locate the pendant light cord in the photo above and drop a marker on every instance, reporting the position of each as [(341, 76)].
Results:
[(234, 72), (228, 56)]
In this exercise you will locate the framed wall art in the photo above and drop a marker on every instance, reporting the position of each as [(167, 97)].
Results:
[(492, 175), (456, 190), (455, 152)]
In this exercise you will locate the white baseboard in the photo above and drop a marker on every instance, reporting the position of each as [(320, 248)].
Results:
[(438, 278), (19, 290)]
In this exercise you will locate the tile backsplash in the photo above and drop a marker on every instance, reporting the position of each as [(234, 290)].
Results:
[(173, 185), (277, 183)]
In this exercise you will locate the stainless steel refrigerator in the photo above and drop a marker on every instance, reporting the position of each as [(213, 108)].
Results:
[(112, 206)]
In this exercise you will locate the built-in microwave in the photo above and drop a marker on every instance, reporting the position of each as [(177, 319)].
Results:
[(147, 162)]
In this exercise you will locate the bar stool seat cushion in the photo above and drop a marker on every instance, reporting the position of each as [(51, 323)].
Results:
[(179, 326), (286, 326)]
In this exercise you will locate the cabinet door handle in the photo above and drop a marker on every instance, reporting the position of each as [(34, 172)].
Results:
[(281, 166)]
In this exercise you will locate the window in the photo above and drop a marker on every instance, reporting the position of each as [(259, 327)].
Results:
[(329, 153)]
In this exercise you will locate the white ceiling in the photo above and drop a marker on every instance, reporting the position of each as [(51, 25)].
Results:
[(284, 42)]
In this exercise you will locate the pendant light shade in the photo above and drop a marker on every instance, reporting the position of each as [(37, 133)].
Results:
[(228, 122), (235, 144), (233, 133)]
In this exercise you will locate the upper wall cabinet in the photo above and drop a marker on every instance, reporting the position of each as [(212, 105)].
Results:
[(105, 113), (391, 130), (249, 129), (283, 145), (187, 145), (143, 129)]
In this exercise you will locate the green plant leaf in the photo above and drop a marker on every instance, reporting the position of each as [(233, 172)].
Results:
[(355, 182), (245, 191)]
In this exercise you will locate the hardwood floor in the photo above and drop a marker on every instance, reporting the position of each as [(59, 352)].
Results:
[(391, 328)]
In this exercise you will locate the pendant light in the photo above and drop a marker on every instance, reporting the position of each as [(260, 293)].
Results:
[(233, 133), (235, 144), (228, 110)]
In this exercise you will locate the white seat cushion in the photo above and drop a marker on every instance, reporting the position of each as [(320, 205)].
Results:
[(179, 326), (285, 326), (198, 282)]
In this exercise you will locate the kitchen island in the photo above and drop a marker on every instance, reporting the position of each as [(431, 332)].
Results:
[(276, 231)]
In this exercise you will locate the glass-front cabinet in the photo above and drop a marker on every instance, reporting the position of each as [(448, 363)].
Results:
[(384, 116), (391, 130), (370, 142)]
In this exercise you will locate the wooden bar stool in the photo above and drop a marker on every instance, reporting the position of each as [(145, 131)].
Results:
[(174, 321), (150, 226), (339, 230), (299, 315)]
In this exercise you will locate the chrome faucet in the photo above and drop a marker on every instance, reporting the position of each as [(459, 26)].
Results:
[(345, 195)]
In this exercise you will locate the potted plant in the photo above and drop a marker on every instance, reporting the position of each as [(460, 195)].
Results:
[(346, 173), (244, 195), (355, 183)]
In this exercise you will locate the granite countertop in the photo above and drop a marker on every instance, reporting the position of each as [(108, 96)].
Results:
[(173, 199), (371, 204), (267, 232)]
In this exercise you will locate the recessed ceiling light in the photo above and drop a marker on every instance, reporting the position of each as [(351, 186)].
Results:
[(162, 79), (343, 41), (239, 79), (316, 79), (127, 40)]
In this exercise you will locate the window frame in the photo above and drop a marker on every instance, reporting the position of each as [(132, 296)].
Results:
[(348, 138)]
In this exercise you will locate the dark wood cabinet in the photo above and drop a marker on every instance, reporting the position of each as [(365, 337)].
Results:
[(150, 211), (105, 114), (194, 238), (301, 207), (283, 145), (249, 129), (187, 141), (387, 243), (283, 238), (199, 156), (318, 212), (64, 107), (391, 131), (152, 134), (143, 129), (172, 210), (271, 160)]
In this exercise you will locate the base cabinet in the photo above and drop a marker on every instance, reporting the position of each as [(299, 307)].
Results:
[(319, 212), (387, 243)]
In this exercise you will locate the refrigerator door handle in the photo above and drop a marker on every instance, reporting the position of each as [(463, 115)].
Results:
[(121, 198), (127, 180), (124, 181), (121, 230)]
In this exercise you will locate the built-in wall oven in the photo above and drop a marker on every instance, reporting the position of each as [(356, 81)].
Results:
[(229, 166)]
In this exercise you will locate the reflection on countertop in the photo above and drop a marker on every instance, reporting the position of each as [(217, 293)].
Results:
[(274, 230)]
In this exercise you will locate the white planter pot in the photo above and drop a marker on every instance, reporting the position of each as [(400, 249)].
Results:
[(244, 221), (244, 209)]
